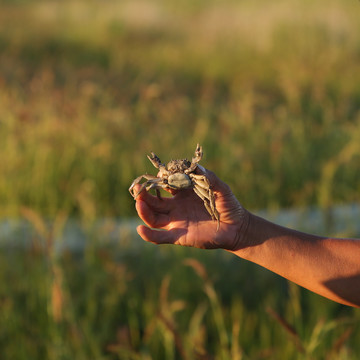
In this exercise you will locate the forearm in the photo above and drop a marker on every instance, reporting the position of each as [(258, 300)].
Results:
[(327, 266)]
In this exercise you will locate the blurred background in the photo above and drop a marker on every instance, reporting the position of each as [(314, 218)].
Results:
[(271, 90)]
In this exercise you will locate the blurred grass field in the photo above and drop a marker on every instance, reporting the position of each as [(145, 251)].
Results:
[(88, 88)]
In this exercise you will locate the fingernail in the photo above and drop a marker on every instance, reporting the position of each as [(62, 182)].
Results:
[(202, 168)]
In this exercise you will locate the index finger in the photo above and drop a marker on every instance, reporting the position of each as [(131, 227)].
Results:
[(161, 205)]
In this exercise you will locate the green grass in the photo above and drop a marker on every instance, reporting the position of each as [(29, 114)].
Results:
[(116, 303), (87, 89)]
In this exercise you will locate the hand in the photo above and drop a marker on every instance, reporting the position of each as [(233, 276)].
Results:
[(183, 219)]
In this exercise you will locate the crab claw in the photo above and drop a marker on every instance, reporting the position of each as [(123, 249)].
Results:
[(198, 150), (155, 160), (198, 156)]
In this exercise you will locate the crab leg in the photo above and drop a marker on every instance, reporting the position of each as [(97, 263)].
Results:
[(209, 202), (198, 191), (212, 204), (201, 180), (157, 185), (143, 186), (208, 193), (203, 185)]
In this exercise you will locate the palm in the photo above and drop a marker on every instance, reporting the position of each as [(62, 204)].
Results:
[(188, 223)]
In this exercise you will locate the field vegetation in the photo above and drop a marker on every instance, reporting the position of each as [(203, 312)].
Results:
[(88, 88)]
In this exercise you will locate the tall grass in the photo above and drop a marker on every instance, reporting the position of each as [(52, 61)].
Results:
[(88, 90), (159, 303)]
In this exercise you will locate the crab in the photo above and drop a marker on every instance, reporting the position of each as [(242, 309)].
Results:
[(179, 175)]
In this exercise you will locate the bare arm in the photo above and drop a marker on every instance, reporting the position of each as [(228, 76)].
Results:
[(327, 266)]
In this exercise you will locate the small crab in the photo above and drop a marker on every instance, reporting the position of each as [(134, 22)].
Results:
[(178, 175)]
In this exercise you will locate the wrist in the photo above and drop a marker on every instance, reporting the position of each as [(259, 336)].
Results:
[(241, 240)]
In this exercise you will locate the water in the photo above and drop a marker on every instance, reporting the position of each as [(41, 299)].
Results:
[(338, 221)]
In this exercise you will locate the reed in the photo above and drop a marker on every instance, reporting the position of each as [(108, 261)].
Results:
[(81, 109), (117, 304)]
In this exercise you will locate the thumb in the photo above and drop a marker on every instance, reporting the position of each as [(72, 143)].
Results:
[(217, 185)]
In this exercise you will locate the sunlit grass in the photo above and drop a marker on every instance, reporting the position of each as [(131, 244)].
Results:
[(89, 89), (270, 89), (110, 304)]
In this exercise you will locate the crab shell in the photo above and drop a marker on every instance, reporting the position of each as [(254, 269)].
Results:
[(179, 181)]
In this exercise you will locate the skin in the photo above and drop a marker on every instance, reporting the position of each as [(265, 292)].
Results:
[(327, 266)]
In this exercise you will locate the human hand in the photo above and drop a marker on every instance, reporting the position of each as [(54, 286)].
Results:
[(183, 219)]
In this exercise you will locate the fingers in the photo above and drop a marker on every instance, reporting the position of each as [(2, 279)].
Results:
[(150, 217), (160, 237), (162, 205)]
